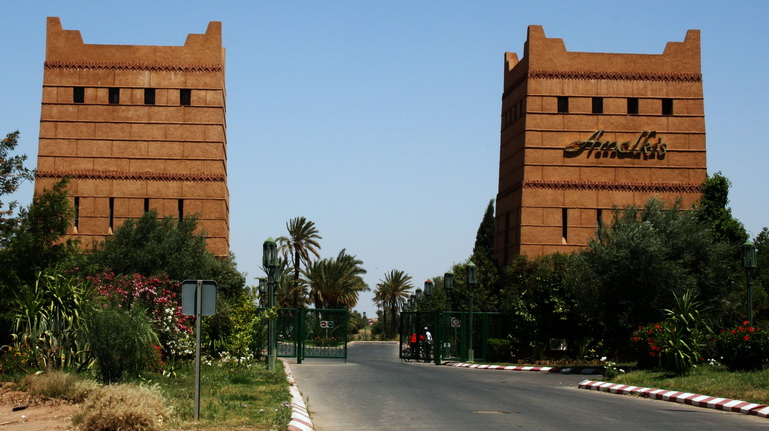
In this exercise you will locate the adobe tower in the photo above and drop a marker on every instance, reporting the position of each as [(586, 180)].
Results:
[(136, 128), (582, 132)]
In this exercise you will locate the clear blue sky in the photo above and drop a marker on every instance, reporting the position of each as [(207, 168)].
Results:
[(379, 120)]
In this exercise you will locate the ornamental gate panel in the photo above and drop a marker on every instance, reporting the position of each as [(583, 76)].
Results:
[(312, 333)]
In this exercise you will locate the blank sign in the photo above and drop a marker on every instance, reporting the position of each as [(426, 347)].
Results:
[(208, 297)]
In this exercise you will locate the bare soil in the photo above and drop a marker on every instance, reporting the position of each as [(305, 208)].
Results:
[(35, 413)]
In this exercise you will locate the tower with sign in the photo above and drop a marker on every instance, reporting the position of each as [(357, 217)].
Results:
[(583, 132)]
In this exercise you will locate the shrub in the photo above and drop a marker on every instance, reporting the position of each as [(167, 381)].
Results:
[(159, 297), (58, 384), (125, 407), (499, 350), (122, 344), (743, 348), (678, 343)]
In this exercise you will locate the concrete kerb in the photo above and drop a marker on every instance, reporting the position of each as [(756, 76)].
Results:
[(705, 401), (300, 417), (696, 400), (562, 370)]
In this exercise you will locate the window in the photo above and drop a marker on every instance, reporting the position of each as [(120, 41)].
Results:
[(599, 217), (146, 205), (563, 104), (185, 97), (149, 96), (667, 106), (565, 224), (78, 94), (111, 214), (114, 96), (597, 105), (181, 209), (632, 105), (76, 221)]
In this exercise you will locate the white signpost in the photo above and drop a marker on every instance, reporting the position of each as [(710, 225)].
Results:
[(198, 299)]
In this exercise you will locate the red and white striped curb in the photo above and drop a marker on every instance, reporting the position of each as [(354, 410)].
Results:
[(743, 407), (501, 367), (300, 417)]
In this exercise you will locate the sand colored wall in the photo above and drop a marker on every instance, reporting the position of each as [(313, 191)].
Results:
[(137, 153), (560, 171)]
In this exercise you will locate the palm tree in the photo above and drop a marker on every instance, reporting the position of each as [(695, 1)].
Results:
[(302, 240), (392, 293), (336, 282)]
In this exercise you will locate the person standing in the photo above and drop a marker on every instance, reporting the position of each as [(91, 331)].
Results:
[(428, 344)]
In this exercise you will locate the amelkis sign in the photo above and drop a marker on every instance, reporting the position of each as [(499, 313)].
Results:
[(644, 144)]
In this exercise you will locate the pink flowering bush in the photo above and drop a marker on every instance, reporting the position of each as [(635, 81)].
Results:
[(160, 298)]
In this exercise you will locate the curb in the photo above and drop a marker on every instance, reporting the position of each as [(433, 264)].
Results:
[(704, 401), (564, 370), (300, 417)]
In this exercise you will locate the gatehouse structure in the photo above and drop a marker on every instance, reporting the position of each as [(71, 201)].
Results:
[(136, 128), (582, 132)]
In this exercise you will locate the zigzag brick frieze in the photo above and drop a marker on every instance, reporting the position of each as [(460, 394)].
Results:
[(616, 76), (132, 176), (152, 67), (613, 186)]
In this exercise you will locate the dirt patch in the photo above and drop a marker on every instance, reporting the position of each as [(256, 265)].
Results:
[(33, 413)]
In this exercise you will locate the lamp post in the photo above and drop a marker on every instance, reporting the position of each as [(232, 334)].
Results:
[(749, 263), (448, 286), (471, 281), (270, 263), (428, 292)]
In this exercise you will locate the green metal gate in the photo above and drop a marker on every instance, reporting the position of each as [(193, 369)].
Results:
[(312, 333), (450, 331)]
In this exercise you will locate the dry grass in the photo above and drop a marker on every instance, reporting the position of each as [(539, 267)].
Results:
[(60, 385), (124, 407)]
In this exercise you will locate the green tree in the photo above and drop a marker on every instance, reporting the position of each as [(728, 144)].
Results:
[(151, 246), (761, 278), (392, 293), (636, 264), (35, 242), (302, 240), (336, 282), (714, 210), (487, 270), (12, 174)]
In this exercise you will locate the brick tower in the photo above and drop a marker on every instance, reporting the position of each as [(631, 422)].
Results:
[(582, 132), (136, 128)]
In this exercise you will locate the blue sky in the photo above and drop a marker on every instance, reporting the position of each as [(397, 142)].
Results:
[(379, 121)]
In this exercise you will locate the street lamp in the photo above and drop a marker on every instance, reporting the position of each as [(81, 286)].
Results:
[(749, 263), (270, 264), (448, 286), (471, 281)]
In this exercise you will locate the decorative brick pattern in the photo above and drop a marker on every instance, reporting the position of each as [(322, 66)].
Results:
[(205, 68), (613, 186), (132, 176), (615, 76)]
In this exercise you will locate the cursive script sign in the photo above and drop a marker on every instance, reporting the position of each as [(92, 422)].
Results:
[(645, 144)]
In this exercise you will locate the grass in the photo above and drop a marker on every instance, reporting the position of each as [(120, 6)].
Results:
[(706, 380), (231, 396)]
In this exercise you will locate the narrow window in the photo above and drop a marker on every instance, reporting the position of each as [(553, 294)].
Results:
[(563, 104), (78, 95), (599, 217), (146, 205), (632, 105), (667, 106), (597, 105), (565, 224), (114, 96), (149, 96), (185, 97), (76, 221), (181, 209), (111, 214)]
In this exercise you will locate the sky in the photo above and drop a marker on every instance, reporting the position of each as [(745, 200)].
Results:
[(379, 120)]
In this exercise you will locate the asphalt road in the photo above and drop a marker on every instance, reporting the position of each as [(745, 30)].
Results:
[(374, 390)]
